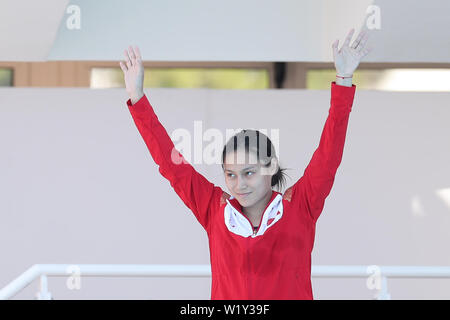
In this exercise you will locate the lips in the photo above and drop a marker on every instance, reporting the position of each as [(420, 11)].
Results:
[(243, 194)]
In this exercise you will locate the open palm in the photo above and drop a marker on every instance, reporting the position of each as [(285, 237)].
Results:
[(133, 70), (347, 59)]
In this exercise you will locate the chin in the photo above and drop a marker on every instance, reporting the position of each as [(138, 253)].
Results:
[(245, 202)]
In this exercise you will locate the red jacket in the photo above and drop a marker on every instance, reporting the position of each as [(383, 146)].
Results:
[(274, 263)]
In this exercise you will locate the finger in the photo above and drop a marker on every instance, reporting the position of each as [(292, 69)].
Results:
[(132, 55), (366, 51), (138, 53), (349, 37), (363, 41), (358, 39), (127, 59), (123, 67), (335, 48)]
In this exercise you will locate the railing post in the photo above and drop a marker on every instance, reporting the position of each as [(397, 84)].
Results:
[(43, 293), (383, 294)]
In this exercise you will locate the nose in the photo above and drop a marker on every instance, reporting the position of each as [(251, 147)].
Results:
[(241, 184)]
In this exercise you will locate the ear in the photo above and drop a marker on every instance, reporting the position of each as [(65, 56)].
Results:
[(273, 166), (272, 169)]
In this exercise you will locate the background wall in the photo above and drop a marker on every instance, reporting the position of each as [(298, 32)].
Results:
[(78, 185)]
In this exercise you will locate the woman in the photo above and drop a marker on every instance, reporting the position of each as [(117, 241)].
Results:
[(260, 240)]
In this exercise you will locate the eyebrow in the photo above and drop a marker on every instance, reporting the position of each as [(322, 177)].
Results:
[(242, 169)]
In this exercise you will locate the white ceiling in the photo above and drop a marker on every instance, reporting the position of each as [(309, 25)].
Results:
[(232, 30), (28, 28), (205, 30)]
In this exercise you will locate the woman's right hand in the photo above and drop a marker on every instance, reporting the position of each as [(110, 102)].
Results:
[(133, 71)]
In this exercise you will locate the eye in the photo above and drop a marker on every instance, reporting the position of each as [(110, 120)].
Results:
[(250, 172), (229, 174)]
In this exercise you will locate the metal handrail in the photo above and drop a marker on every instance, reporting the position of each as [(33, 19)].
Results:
[(376, 275)]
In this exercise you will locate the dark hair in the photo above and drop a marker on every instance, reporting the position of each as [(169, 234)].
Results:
[(255, 141)]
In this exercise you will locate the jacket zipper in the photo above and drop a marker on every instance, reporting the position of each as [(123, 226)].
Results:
[(247, 244), (248, 266), (260, 219)]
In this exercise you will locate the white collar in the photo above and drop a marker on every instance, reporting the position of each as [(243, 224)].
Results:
[(237, 223)]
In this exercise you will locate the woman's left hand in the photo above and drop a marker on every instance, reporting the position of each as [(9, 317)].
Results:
[(347, 59)]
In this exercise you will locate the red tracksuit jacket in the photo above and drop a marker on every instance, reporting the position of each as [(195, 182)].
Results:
[(275, 262)]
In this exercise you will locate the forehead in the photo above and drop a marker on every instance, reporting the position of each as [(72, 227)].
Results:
[(239, 160)]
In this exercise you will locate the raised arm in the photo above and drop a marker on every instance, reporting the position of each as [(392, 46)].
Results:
[(195, 190), (315, 185)]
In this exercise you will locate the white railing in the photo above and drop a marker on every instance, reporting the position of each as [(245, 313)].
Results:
[(376, 276)]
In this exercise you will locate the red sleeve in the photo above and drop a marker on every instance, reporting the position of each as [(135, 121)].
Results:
[(197, 193), (314, 186)]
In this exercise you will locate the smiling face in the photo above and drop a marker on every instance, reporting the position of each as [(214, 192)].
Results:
[(247, 179)]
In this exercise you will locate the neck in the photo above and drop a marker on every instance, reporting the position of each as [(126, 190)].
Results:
[(255, 212)]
